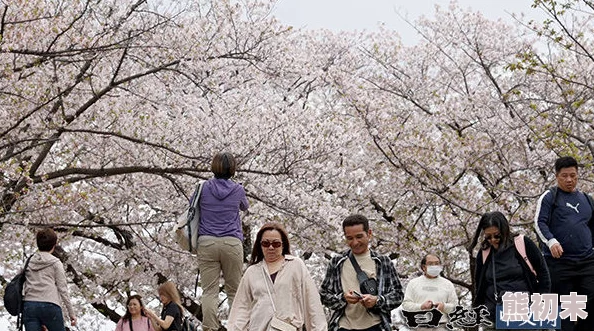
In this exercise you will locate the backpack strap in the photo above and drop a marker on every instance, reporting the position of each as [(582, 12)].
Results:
[(521, 248)]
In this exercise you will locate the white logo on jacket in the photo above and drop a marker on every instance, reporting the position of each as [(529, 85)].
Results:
[(572, 207)]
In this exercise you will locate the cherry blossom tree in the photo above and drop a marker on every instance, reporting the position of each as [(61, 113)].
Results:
[(463, 123), (111, 112)]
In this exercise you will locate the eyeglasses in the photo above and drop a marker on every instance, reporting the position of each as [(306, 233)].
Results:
[(275, 244), (496, 237)]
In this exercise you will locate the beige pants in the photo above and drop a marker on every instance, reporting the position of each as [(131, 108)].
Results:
[(216, 255)]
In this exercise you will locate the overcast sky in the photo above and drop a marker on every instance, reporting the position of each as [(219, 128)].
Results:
[(360, 15)]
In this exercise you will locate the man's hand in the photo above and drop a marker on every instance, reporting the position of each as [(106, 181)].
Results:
[(427, 305), (369, 300), (351, 297), (556, 250)]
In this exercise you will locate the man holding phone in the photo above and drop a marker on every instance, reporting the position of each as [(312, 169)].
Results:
[(361, 286)]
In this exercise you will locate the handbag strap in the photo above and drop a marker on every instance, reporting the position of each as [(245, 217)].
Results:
[(266, 278), (194, 207), (148, 323), (361, 276)]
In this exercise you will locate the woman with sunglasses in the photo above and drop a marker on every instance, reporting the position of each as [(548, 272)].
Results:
[(499, 266), (135, 318), (276, 288)]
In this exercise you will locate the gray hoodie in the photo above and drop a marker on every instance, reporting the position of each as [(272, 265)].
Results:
[(46, 281)]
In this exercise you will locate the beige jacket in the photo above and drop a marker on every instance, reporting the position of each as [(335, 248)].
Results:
[(296, 298), (46, 281)]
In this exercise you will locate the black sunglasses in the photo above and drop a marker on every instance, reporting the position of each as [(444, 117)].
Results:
[(275, 244), (496, 236)]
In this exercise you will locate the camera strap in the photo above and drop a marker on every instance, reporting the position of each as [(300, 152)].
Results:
[(361, 276)]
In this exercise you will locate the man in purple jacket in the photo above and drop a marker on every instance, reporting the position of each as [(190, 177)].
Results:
[(220, 236)]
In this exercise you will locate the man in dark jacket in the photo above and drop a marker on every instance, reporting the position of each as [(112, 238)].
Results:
[(564, 224), (342, 291)]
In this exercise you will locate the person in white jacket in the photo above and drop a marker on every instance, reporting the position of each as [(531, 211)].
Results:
[(430, 291), (276, 288), (45, 291)]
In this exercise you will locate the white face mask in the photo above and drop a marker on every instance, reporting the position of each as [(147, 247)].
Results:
[(434, 270)]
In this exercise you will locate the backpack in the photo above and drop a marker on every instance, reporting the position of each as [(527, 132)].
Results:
[(520, 247), (554, 191), (188, 324), (13, 294), (188, 223)]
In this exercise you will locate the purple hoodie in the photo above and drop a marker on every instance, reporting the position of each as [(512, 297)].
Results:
[(220, 203)]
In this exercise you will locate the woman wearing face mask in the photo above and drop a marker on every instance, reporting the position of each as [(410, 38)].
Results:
[(430, 291), (500, 268)]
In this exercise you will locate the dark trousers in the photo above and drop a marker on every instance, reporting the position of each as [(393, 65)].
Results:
[(373, 328), (574, 276)]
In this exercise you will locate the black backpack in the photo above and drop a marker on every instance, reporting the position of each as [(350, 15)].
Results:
[(554, 191), (13, 295)]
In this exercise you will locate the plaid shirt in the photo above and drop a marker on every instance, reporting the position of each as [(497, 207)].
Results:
[(390, 293)]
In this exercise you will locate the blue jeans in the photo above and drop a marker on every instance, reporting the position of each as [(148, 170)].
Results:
[(36, 314)]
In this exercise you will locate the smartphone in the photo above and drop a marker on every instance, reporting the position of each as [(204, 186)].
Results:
[(357, 294)]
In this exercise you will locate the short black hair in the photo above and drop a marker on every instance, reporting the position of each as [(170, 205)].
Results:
[(565, 162), (46, 239), (356, 219), (424, 259)]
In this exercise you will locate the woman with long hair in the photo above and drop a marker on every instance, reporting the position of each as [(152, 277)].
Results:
[(499, 266), (171, 314), (276, 288), (134, 319)]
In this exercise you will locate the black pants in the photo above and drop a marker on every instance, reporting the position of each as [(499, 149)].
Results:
[(574, 276)]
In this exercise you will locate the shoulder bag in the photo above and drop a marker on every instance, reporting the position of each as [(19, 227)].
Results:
[(367, 285), (276, 323)]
